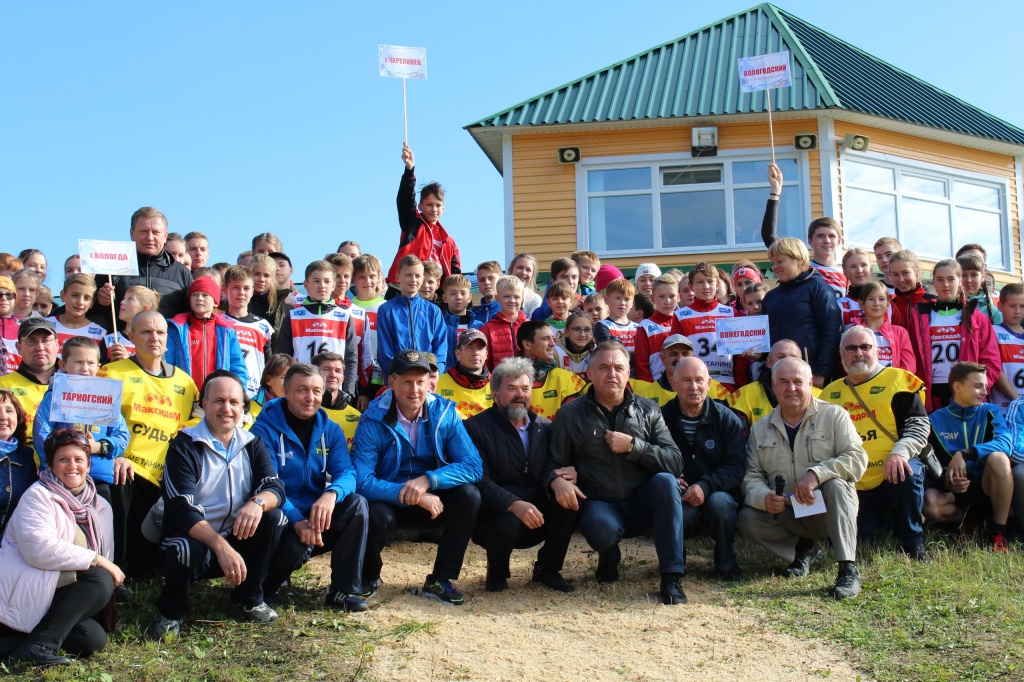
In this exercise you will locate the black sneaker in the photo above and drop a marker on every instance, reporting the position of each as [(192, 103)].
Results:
[(917, 553), (608, 565), (552, 579), (370, 587), (807, 554), (351, 603), (847, 582), (672, 589), (39, 655), (731, 575), (442, 590)]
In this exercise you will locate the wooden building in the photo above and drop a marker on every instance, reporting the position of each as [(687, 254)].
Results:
[(936, 171)]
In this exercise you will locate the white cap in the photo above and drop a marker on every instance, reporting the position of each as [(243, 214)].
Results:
[(646, 269)]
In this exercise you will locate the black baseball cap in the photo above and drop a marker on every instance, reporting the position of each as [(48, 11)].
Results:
[(408, 359), (35, 324)]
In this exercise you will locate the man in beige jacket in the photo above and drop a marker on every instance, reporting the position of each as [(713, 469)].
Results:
[(815, 447)]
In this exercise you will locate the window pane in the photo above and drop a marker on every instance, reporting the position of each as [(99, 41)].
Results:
[(912, 183), (926, 227), (693, 219), (620, 223), (748, 210), (869, 216), (966, 193), (868, 175), (618, 180), (983, 228), (744, 172), (694, 175)]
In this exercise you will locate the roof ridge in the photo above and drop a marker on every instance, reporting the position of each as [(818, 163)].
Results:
[(775, 15)]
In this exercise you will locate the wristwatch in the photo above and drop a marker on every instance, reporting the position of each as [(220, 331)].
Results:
[(258, 501), (104, 447), (632, 442)]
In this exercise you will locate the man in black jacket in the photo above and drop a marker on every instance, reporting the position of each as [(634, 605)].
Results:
[(515, 510), (157, 271), (711, 440), (627, 466)]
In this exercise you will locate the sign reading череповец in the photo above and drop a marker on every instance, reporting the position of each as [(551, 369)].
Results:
[(739, 334), (765, 71), (95, 401), (402, 62), (108, 258)]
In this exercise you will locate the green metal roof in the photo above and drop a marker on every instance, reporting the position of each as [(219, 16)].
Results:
[(696, 75)]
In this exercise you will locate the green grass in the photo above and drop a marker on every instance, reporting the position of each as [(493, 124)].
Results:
[(959, 616)]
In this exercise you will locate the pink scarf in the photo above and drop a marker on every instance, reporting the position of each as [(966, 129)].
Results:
[(82, 506)]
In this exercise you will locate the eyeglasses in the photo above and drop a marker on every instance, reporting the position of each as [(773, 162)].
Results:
[(865, 347), (8, 296), (33, 342), (581, 330)]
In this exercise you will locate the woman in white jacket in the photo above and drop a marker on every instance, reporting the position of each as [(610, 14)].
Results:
[(56, 576)]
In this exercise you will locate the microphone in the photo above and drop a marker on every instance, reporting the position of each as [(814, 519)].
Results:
[(780, 487)]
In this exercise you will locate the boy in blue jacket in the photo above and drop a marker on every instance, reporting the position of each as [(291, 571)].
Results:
[(202, 341), (323, 510), (408, 321), (971, 440), (416, 465)]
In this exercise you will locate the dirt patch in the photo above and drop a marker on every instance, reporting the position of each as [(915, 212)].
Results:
[(614, 632)]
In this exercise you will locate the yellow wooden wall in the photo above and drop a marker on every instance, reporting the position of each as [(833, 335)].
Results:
[(544, 191), (944, 154)]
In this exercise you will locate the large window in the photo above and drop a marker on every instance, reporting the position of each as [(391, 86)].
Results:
[(931, 209), (685, 205)]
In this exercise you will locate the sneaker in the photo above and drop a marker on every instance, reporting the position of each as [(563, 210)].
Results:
[(552, 579), (731, 575), (350, 603), (608, 565), (261, 613), (164, 628), (672, 589), (39, 655), (997, 543), (917, 553), (442, 590), (370, 587), (847, 582), (807, 554)]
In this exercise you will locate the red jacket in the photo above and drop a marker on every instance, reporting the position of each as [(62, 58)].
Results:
[(501, 338), (902, 350), (904, 303), (418, 237), (977, 344)]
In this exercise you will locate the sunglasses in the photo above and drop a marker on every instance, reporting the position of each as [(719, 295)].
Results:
[(63, 437), (865, 347), (8, 296)]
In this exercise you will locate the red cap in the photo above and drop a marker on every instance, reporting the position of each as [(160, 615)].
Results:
[(207, 286)]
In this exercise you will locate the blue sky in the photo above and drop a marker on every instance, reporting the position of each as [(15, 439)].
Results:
[(241, 117)]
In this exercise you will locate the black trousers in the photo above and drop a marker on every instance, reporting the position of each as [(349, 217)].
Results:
[(70, 622), (187, 560), (345, 539), (119, 497), (501, 532), (458, 519), (140, 555)]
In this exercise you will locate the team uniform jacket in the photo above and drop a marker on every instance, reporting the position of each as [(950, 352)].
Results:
[(552, 389), (756, 400), (650, 335), (318, 326), (419, 238), (181, 352), (29, 393), (661, 392), (1015, 421), (410, 322), (305, 475), (1011, 353), (607, 329), (697, 323), (896, 398), (470, 397), (975, 431), (92, 331), (254, 335), (382, 451), (370, 377)]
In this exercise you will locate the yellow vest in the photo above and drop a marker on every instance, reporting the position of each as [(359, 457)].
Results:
[(559, 384), (155, 408), (877, 394), (347, 419), (654, 391), (29, 394), (752, 401), (468, 401)]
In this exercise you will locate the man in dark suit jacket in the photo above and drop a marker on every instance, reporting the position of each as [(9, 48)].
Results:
[(515, 511)]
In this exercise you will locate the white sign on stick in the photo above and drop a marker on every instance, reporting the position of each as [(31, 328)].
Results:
[(108, 258), (765, 71), (85, 400), (739, 334), (402, 62)]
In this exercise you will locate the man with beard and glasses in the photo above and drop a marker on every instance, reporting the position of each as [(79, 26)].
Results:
[(895, 435), (516, 512)]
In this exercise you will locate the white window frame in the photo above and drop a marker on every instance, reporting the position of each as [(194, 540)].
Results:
[(945, 174), (657, 161)]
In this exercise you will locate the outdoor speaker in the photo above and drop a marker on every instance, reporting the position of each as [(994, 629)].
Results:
[(569, 155), (805, 142), (857, 143)]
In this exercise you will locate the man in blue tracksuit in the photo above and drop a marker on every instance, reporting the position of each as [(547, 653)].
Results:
[(408, 321), (416, 465), (973, 443), (324, 512)]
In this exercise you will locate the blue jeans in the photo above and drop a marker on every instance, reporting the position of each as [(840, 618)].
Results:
[(656, 505), (716, 519), (894, 504)]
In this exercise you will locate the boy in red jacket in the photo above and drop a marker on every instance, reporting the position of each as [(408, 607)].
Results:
[(501, 329)]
